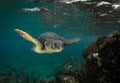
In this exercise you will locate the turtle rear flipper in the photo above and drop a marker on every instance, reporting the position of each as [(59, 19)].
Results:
[(28, 37), (72, 41)]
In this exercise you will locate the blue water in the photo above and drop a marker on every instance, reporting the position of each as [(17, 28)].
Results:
[(15, 51)]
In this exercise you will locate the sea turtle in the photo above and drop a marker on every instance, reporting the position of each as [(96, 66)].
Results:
[(47, 42)]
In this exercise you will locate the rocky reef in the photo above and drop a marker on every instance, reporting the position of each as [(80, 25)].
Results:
[(107, 11), (101, 65), (14, 76), (104, 10), (102, 60)]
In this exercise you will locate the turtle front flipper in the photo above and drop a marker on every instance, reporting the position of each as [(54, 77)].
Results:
[(28, 37), (72, 41)]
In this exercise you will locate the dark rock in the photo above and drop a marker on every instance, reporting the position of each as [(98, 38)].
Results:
[(52, 80), (93, 48), (102, 65), (22, 77), (70, 67), (4, 79), (41, 81), (111, 1), (65, 79), (106, 12)]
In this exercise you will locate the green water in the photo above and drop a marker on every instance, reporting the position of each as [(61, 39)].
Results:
[(15, 51)]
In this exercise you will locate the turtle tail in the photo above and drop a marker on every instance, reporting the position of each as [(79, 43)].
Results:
[(72, 41)]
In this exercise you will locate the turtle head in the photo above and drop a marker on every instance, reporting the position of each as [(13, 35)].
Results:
[(54, 45)]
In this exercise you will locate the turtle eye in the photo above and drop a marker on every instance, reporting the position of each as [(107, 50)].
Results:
[(58, 45), (53, 46)]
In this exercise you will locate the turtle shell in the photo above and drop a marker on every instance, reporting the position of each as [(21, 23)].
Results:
[(51, 40), (49, 36)]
